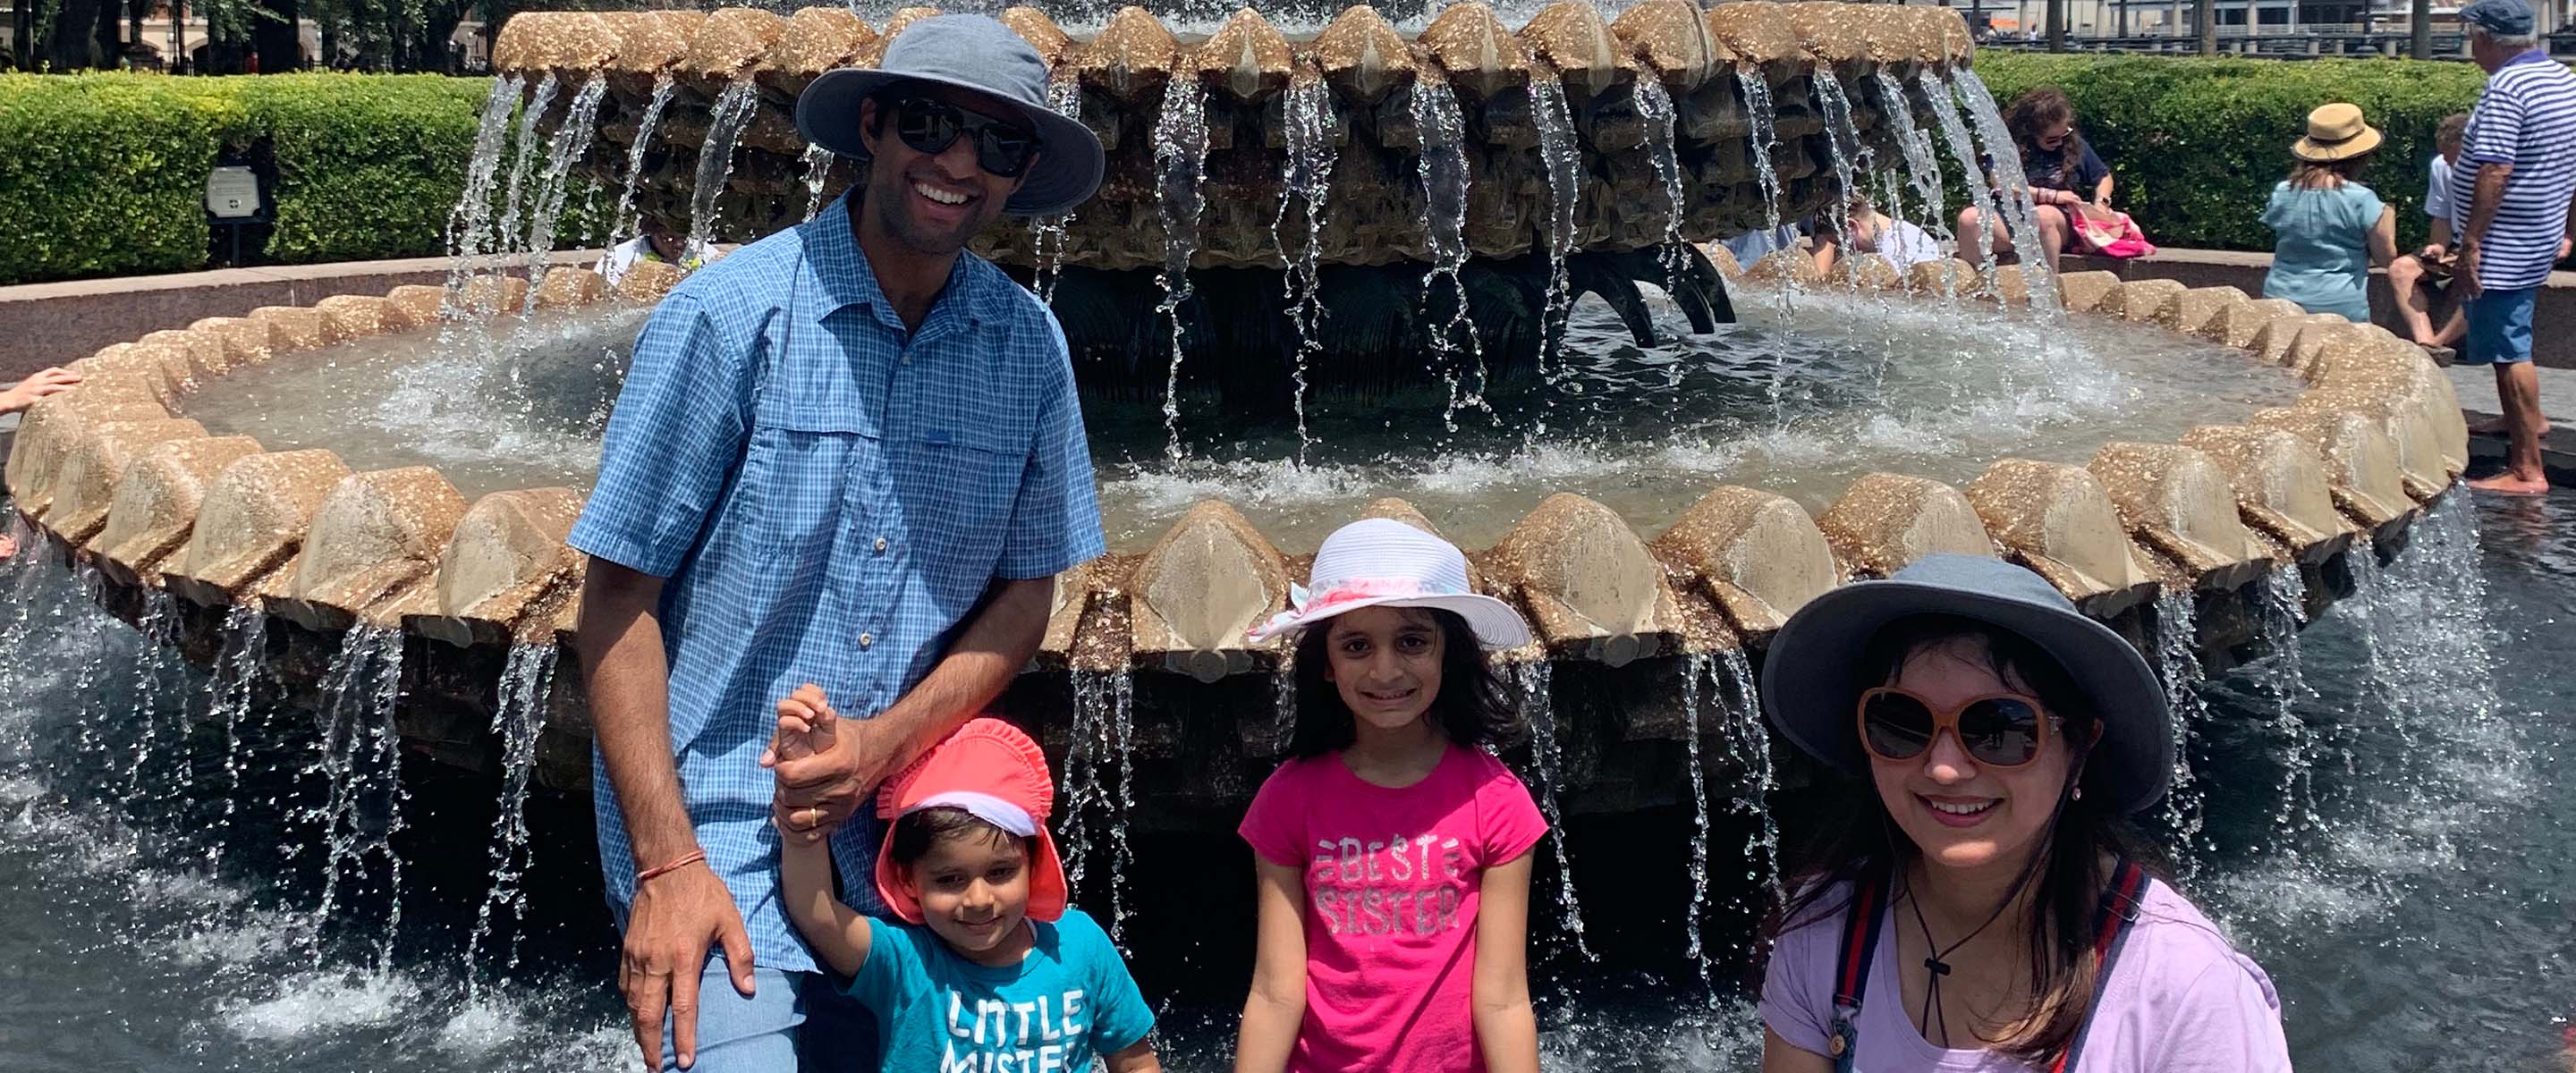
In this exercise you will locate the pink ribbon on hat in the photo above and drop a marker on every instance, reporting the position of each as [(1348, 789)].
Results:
[(1304, 605)]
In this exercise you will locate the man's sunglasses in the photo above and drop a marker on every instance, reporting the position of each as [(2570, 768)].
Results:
[(2003, 730), (931, 126)]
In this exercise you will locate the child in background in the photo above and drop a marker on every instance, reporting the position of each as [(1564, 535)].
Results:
[(2430, 268), (1392, 852), (989, 969)]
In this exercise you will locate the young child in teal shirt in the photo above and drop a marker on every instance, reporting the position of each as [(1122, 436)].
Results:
[(989, 970)]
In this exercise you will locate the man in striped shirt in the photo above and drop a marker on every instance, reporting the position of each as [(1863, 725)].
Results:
[(2520, 172)]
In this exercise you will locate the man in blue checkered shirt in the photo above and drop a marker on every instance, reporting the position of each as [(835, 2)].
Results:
[(849, 454)]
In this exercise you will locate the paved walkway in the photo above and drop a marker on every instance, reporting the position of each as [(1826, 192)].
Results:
[(2475, 384)]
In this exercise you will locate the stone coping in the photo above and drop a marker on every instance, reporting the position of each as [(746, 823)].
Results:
[(118, 476)]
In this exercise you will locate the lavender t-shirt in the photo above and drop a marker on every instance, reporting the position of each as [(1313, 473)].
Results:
[(2179, 999)]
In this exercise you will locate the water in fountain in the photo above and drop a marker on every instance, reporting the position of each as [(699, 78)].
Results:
[(1748, 742), (527, 683), (1562, 163), (571, 142), (509, 229), (732, 111), (1180, 159), (2178, 665), (2281, 612), (2024, 213), (359, 755), (1547, 758), (1308, 115), (241, 667), (159, 627), (1443, 163), (472, 218), (1047, 234), (1922, 164), (818, 167), (625, 220), (1697, 668), (1842, 138), (1963, 153), (1764, 141), (1104, 726), (1655, 106)]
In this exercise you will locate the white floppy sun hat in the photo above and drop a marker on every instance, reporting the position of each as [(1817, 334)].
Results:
[(1380, 562)]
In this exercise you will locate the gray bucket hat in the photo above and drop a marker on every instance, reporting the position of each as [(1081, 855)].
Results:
[(972, 52), (1809, 683)]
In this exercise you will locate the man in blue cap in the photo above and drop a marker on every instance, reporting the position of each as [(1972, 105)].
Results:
[(2520, 164), (849, 454)]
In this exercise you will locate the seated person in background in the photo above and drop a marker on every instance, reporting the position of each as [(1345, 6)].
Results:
[(1871, 231), (2061, 168), (657, 243), (1753, 246), (2331, 227), (2429, 269)]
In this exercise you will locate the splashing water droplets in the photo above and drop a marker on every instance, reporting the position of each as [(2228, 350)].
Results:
[(1538, 713), (1562, 162), (1180, 158)]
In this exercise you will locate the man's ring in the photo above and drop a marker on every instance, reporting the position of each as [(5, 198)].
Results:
[(813, 817)]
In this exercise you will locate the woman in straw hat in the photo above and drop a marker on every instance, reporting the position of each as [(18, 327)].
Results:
[(2331, 227), (1976, 901)]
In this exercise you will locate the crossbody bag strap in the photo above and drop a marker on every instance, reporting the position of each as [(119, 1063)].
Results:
[(2112, 925), (1862, 920)]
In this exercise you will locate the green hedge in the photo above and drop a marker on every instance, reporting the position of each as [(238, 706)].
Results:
[(104, 174), (2195, 145)]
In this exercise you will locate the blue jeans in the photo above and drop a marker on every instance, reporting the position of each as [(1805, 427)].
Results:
[(2499, 327), (793, 1021)]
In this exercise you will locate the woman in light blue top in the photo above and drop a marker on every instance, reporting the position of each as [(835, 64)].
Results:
[(2331, 227)]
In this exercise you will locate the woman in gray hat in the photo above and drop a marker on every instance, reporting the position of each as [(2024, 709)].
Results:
[(1982, 905)]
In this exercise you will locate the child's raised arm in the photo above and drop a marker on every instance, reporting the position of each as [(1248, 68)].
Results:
[(1277, 1007), (838, 934), (1506, 1027), (1137, 1058)]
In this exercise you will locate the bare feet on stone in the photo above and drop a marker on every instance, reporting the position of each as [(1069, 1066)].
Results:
[(2509, 485)]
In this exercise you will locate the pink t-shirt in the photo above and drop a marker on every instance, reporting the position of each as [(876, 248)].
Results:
[(1391, 882), (2179, 1000)]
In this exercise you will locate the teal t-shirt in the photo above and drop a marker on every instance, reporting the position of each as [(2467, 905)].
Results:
[(1069, 1000), (2321, 258)]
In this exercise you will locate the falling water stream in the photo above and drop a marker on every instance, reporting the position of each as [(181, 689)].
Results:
[(1047, 235), (571, 141), (1922, 162), (1443, 162), (625, 223), (1180, 160), (468, 224), (526, 686), (1308, 116), (733, 110), (1979, 104), (1963, 155), (1100, 784), (1547, 758), (1655, 106), (509, 231), (818, 168), (1562, 163), (2178, 666)]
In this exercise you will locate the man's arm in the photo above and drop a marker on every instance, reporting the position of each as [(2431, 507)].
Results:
[(996, 644), (2488, 195), (676, 915)]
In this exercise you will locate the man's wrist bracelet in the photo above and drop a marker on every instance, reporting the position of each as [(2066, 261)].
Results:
[(666, 869)]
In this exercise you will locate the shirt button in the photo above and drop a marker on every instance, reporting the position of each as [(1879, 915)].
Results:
[(881, 545), (867, 639)]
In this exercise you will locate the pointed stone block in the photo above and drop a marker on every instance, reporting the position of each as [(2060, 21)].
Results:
[(166, 371), (1672, 38), (1758, 33), (1793, 265), (156, 504), (2058, 520), (1870, 271), (413, 306), (1202, 587), (2272, 342), (353, 316), (1757, 554), (293, 328), (1130, 58), (1942, 275), (2191, 311), (815, 40), (1826, 32), (2421, 464), (2178, 504), (1362, 56), (1592, 588), (47, 431), (1075, 590), (486, 297), (504, 569), (1571, 37), (1887, 520), (2237, 325), (86, 486), (728, 45), (2360, 460), (2138, 300), (2402, 372), (1478, 53), (2005, 285), (2280, 483), (646, 282), (1041, 32), (1249, 58), (204, 350), (2084, 292), (1723, 259), (246, 341), (252, 522), (375, 541)]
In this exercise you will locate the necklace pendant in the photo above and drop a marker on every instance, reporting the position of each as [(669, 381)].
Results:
[(1938, 967)]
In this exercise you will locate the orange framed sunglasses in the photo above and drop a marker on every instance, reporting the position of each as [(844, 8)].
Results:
[(2000, 730)]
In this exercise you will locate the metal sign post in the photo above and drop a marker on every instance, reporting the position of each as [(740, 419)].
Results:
[(233, 202)]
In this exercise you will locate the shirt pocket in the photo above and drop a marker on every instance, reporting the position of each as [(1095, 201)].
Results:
[(956, 482), (795, 484)]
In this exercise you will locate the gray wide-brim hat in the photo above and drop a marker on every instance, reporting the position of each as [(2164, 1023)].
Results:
[(972, 52), (1810, 673)]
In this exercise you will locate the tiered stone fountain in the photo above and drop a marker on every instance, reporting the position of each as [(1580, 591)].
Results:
[(118, 476)]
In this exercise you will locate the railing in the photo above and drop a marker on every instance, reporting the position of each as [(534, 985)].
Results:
[(2307, 42)]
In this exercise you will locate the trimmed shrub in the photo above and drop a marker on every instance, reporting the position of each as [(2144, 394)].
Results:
[(2195, 145)]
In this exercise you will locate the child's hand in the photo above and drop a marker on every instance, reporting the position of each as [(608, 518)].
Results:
[(806, 726)]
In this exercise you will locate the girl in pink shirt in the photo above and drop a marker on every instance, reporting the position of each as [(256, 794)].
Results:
[(1392, 853)]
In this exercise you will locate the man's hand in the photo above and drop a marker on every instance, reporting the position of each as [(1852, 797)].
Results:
[(2431, 253), (807, 727), (37, 386), (823, 778), (676, 917)]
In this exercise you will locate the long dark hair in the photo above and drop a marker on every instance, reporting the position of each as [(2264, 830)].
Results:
[(2036, 111), (2325, 175), (1471, 710), (1858, 843)]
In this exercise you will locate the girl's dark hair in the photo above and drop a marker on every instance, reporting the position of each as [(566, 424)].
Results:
[(2036, 111), (2315, 175), (1858, 843), (1471, 709), (916, 832)]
